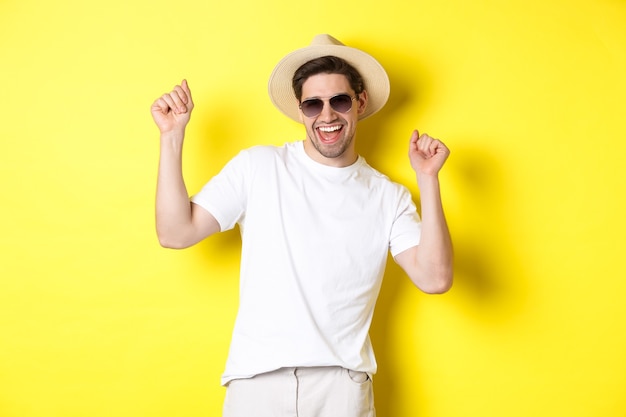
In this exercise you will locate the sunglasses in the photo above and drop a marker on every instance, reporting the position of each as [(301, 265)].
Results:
[(341, 103)]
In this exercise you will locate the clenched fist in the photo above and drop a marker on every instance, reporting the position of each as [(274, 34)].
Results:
[(427, 155), (172, 110)]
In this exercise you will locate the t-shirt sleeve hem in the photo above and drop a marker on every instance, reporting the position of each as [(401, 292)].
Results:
[(197, 199)]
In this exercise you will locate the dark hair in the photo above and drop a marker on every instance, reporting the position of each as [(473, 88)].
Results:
[(327, 65)]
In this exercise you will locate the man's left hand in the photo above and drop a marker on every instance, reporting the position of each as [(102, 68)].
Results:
[(427, 154)]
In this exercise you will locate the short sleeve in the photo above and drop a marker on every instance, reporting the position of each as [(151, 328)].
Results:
[(225, 195), (406, 229)]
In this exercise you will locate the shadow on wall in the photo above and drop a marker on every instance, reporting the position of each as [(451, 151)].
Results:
[(487, 262), (488, 287), (488, 259)]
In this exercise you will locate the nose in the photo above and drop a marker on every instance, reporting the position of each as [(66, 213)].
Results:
[(327, 114)]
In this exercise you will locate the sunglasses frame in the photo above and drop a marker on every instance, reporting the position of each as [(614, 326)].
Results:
[(323, 100)]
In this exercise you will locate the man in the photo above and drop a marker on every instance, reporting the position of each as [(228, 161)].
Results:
[(317, 224)]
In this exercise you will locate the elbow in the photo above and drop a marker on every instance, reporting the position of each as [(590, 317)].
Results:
[(441, 287), (171, 242), (170, 245), (438, 283)]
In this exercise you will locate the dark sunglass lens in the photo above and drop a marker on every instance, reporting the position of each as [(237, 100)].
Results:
[(341, 103), (312, 107)]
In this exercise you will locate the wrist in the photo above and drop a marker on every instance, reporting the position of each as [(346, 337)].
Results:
[(172, 142), (425, 178), (175, 135)]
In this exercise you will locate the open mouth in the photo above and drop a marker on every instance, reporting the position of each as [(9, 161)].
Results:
[(329, 134)]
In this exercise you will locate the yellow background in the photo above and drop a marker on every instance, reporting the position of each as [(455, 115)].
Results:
[(97, 320)]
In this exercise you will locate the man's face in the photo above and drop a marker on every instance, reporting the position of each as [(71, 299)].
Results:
[(330, 134)]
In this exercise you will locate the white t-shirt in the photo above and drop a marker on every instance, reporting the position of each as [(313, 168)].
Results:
[(315, 241)]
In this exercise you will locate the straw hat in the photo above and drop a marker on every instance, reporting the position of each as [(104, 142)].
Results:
[(374, 75)]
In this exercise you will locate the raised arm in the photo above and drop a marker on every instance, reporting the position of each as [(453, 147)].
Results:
[(179, 223), (429, 265)]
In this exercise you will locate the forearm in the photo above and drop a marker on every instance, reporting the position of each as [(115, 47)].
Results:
[(173, 208), (429, 264), (434, 255)]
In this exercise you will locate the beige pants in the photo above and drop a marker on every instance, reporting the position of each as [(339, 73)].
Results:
[(301, 392)]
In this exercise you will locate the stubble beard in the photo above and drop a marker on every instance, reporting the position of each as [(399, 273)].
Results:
[(335, 150)]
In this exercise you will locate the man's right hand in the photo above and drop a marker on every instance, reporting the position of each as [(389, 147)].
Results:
[(172, 111)]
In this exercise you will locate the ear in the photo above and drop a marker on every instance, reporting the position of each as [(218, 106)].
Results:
[(362, 102), (300, 115)]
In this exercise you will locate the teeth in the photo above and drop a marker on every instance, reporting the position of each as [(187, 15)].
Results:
[(329, 128)]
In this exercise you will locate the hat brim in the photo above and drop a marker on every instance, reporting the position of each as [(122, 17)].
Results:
[(374, 76)]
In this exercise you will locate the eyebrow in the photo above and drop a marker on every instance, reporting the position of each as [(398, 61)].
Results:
[(328, 97)]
